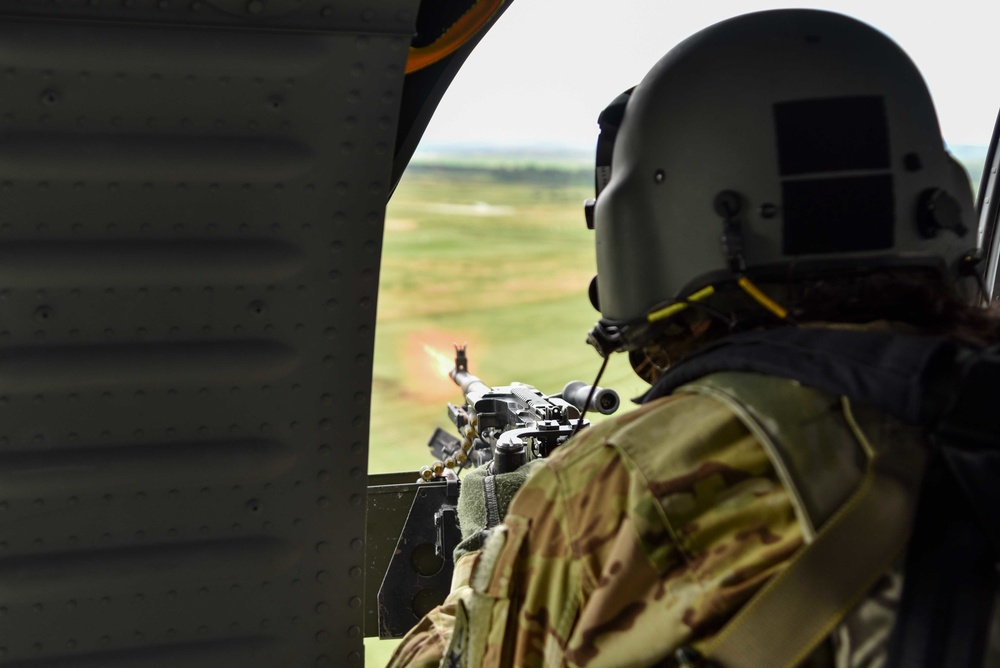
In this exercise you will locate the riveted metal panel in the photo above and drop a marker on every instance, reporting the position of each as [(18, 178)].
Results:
[(191, 206), (354, 16)]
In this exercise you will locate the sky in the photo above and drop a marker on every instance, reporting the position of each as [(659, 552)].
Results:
[(548, 67)]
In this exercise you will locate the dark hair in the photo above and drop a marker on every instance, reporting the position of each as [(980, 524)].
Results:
[(921, 299), (918, 299)]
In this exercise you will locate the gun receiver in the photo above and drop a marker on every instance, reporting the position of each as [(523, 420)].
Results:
[(512, 424)]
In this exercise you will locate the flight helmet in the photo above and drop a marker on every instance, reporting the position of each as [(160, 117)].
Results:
[(767, 147)]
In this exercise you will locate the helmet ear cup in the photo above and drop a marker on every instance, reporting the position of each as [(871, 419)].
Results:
[(609, 121), (937, 210), (940, 209), (592, 293)]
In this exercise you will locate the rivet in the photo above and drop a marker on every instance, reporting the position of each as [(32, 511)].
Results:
[(49, 96)]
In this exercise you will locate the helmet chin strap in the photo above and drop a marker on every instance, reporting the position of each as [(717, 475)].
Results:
[(608, 336)]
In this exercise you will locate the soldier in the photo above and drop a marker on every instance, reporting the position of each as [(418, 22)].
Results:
[(755, 508)]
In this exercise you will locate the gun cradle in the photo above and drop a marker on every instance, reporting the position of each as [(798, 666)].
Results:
[(415, 555), (503, 427)]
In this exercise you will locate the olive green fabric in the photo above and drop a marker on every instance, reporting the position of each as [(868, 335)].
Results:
[(818, 453), (854, 494), (472, 502)]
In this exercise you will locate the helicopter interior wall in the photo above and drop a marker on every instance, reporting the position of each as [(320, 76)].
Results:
[(191, 209)]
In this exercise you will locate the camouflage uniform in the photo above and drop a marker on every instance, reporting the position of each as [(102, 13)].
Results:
[(647, 532)]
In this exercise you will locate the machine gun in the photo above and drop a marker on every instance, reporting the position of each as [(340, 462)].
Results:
[(508, 426), (503, 427)]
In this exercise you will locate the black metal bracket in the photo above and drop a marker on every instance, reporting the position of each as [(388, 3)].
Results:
[(419, 574)]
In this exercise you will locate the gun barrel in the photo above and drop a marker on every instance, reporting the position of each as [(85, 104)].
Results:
[(468, 382), (605, 400)]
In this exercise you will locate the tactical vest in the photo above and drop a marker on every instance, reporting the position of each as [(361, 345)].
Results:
[(822, 447), (850, 419)]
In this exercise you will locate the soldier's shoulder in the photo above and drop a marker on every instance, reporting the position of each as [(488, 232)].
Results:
[(666, 412), (665, 419)]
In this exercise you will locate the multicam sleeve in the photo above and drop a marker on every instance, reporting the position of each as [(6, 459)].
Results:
[(497, 612)]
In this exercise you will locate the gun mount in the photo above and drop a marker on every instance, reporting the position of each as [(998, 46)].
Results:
[(503, 427)]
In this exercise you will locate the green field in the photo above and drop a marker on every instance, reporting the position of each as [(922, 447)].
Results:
[(499, 258)]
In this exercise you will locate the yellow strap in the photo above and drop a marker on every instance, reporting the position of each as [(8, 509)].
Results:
[(762, 299), (677, 307)]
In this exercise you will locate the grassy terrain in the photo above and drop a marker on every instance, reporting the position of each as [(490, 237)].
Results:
[(499, 259), (496, 257)]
